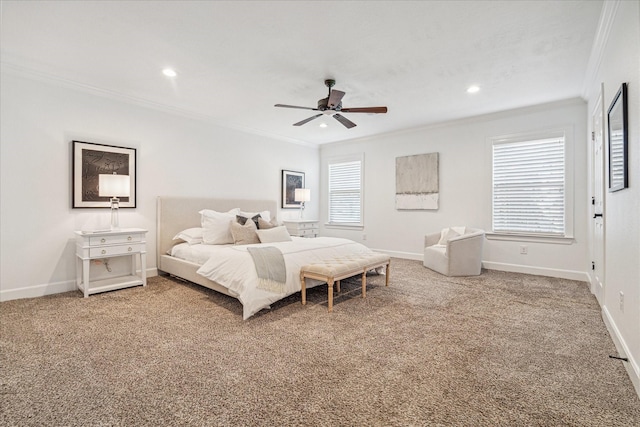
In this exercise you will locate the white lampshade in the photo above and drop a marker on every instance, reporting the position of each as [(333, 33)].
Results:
[(114, 185), (302, 195)]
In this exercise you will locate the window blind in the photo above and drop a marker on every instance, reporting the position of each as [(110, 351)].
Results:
[(529, 187), (345, 193)]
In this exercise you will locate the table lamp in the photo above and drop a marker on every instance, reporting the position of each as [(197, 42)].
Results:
[(114, 186), (302, 195)]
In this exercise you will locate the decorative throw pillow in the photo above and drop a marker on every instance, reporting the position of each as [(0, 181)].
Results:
[(192, 236), (242, 220), (217, 226), (266, 215), (447, 234), (265, 225), (274, 235), (244, 234)]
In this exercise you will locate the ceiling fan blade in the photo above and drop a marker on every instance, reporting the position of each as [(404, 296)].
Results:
[(307, 120), (346, 122), (334, 98), (365, 110), (295, 106)]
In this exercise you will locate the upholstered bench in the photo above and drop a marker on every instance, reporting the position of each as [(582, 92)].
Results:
[(334, 270)]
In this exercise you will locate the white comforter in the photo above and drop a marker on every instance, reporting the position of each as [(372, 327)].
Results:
[(232, 267)]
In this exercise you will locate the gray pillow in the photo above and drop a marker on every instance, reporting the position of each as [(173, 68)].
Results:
[(243, 219)]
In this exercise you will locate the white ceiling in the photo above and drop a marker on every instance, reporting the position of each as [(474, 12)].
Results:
[(235, 59)]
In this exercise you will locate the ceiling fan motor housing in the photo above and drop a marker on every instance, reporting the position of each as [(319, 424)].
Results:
[(323, 105)]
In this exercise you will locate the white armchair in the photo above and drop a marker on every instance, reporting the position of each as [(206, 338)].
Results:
[(454, 254)]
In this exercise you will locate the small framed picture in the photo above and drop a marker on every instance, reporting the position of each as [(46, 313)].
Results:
[(91, 160), (290, 181)]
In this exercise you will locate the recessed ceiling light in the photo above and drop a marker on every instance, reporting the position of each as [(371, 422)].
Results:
[(323, 125), (473, 89), (169, 72)]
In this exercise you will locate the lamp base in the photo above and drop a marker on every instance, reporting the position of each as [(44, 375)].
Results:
[(301, 210), (115, 207)]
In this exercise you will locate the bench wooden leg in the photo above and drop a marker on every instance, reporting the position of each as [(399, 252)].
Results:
[(303, 290), (386, 280), (330, 303), (364, 284), (337, 285)]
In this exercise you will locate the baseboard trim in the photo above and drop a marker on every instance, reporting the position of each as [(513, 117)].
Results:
[(632, 368), (537, 271), (49, 289), (38, 290), (582, 276), (403, 255)]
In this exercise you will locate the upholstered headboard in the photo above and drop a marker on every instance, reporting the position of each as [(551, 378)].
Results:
[(175, 214)]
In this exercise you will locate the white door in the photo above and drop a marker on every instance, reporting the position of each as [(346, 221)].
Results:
[(597, 138)]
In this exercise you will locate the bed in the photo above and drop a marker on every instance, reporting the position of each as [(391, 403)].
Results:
[(229, 268)]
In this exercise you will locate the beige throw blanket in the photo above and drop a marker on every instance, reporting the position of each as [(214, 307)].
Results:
[(270, 268)]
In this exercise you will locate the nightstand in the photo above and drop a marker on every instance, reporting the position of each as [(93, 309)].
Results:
[(302, 227), (107, 244)]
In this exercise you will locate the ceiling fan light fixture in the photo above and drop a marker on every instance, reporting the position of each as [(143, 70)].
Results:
[(323, 125), (332, 106)]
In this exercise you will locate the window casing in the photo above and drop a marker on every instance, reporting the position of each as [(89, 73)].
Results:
[(345, 176), (531, 185)]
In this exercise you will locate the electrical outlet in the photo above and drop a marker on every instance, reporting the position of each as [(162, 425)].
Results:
[(524, 250), (622, 301), (364, 237)]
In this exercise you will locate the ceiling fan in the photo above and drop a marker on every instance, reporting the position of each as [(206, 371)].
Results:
[(332, 105)]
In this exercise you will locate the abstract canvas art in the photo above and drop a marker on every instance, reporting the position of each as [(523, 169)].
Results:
[(417, 182)]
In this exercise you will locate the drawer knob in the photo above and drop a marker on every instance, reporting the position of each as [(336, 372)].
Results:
[(129, 238), (130, 249), (104, 252), (103, 240)]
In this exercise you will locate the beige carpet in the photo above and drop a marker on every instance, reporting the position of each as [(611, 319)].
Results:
[(501, 349)]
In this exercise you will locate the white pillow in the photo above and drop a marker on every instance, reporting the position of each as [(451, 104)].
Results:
[(460, 230), (192, 236), (266, 215), (217, 226), (274, 235), (448, 233)]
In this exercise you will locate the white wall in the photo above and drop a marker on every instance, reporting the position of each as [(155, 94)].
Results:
[(176, 156), (619, 61), (465, 187)]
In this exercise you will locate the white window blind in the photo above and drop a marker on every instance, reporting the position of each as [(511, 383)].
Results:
[(529, 187), (345, 192)]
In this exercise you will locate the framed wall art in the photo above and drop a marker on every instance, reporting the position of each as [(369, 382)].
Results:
[(618, 145), (89, 160), (290, 181), (417, 185)]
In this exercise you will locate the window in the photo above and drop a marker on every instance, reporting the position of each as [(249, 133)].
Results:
[(530, 186), (345, 191)]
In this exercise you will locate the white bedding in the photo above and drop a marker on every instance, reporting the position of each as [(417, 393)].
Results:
[(232, 265)]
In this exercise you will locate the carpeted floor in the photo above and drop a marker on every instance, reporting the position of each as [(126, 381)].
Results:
[(501, 349)]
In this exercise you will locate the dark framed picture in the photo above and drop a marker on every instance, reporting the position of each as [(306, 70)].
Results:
[(290, 181), (618, 146), (91, 160)]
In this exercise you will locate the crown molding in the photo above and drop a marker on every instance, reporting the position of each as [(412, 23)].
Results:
[(29, 73), (607, 16)]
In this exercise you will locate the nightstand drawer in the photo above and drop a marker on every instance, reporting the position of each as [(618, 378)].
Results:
[(115, 239), (308, 232), (307, 225), (115, 250)]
